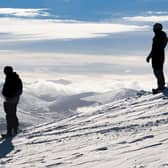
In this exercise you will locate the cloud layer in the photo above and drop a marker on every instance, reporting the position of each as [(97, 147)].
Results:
[(149, 16), (153, 18), (23, 12), (23, 24), (36, 29)]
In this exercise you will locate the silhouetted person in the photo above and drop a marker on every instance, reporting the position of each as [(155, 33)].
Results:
[(11, 91), (157, 55)]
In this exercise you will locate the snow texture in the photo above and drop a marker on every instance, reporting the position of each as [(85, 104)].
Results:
[(131, 132)]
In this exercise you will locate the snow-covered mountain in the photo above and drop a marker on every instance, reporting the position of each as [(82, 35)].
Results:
[(130, 132)]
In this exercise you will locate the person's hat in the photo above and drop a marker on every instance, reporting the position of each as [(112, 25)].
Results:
[(8, 70), (157, 27)]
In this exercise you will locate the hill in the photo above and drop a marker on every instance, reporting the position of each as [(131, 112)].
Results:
[(131, 132)]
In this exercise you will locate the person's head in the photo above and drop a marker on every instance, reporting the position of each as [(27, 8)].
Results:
[(8, 70), (157, 27)]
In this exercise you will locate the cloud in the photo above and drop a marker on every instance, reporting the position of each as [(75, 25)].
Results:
[(49, 65), (82, 83), (43, 29), (153, 18), (23, 12), (157, 12), (51, 59)]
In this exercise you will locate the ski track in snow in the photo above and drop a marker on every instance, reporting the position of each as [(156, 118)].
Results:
[(127, 133)]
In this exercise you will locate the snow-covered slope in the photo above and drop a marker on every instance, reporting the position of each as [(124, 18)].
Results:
[(110, 96), (127, 133)]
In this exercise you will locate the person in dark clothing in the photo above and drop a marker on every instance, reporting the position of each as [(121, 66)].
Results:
[(157, 55), (11, 91)]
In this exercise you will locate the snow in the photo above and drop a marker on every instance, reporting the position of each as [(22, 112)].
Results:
[(112, 95), (125, 128)]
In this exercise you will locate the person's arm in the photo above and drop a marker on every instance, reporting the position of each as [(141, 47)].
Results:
[(165, 41), (150, 54), (149, 57), (4, 90)]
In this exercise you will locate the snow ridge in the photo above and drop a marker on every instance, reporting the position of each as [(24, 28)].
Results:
[(130, 132)]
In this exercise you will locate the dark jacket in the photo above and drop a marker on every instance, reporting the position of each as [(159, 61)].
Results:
[(13, 86), (157, 53)]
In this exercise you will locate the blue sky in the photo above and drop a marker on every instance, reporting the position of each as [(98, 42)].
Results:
[(94, 5), (90, 35), (89, 9)]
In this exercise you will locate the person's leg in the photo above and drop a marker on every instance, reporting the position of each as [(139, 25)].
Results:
[(15, 119), (7, 110), (10, 108), (160, 78), (15, 124)]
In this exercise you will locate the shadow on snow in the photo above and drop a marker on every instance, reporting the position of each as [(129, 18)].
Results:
[(6, 147)]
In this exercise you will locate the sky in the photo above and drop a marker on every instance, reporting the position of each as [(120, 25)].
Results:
[(79, 36)]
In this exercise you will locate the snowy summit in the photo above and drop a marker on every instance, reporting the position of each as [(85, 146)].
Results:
[(130, 132)]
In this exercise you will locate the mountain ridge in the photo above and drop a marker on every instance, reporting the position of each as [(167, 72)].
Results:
[(128, 132)]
